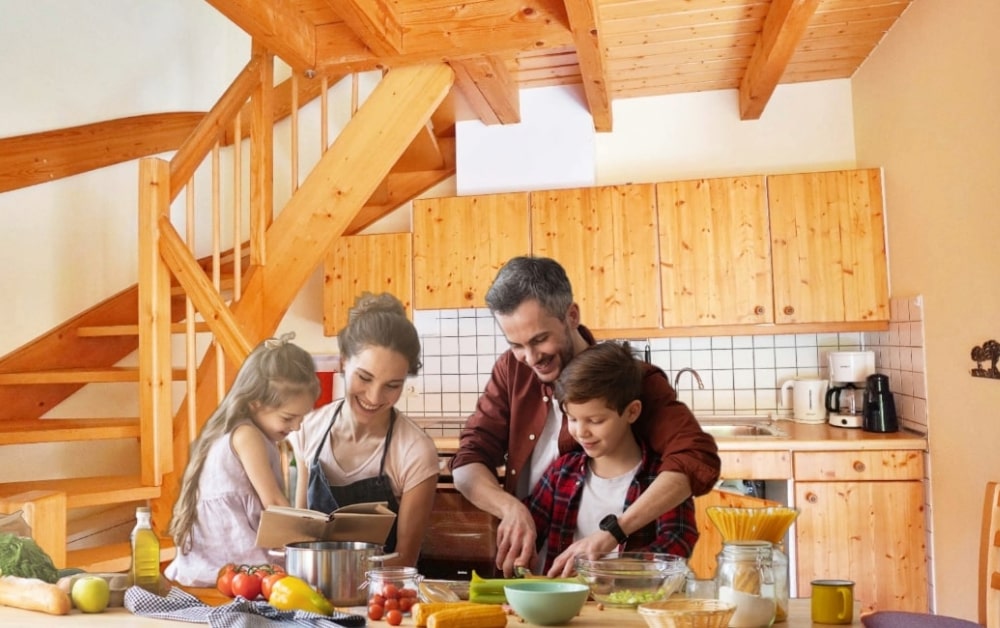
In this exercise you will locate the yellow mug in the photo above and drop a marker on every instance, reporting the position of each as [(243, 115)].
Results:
[(832, 601)]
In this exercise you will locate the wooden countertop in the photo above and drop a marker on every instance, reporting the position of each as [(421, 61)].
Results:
[(801, 437), (590, 617)]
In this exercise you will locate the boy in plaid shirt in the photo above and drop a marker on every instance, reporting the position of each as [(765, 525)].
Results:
[(599, 393)]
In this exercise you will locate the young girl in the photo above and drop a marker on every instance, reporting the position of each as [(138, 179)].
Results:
[(234, 471), (360, 449)]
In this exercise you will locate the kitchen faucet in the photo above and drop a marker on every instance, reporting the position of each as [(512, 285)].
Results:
[(688, 369)]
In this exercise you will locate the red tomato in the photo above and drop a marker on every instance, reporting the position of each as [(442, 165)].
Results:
[(268, 581), (377, 599), (407, 593), (224, 581), (246, 585), (393, 618), (406, 603), (375, 612), (391, 592), (392, 604)]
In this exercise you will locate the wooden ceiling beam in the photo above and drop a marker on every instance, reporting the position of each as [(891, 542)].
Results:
[(489, 88), (276, 25), (784, 26), (583, 21), (374, 22), (436, 33)]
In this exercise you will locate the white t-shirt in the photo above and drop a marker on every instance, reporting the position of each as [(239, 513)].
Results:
[(601, 497), (411, 459)]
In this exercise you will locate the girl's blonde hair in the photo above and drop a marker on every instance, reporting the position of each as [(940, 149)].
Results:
[(274, 372)]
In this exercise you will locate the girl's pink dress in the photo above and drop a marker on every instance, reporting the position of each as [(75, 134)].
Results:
[(228, 516)]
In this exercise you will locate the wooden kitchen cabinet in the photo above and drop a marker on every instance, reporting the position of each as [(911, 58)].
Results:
[(828, 247), (459, 244), (605, 238), (862, 518), (715, 257), (373, 263)]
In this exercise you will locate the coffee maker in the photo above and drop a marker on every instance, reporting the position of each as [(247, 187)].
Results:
[(849, 371)]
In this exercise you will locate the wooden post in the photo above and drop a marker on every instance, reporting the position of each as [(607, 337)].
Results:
[(45, 512)]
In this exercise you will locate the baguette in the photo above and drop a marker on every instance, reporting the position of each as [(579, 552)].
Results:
[(34, 595)]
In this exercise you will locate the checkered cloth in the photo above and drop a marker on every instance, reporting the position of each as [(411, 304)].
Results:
[(240, 613)]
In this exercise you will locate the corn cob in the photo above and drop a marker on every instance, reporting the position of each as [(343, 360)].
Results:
[(421, 611), (471, 616)]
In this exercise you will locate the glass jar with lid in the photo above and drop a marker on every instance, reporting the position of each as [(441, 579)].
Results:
[(745, 577), (393, 588)]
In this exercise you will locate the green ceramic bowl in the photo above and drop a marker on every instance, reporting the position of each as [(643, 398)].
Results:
[(546, 603)]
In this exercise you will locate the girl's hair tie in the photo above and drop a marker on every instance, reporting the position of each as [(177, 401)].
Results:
[(280, 341)]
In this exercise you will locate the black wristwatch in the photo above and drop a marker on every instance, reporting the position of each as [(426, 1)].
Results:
[(610, 524)]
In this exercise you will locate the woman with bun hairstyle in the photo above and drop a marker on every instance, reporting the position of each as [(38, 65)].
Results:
[(360, 448)]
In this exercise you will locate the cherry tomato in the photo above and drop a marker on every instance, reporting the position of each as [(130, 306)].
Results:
[(393, 618), (391, 592), (406, 603), (407, 593), (375, 612), (246, 585), (377, 599), (224, 581), (392, 604), (268, 581)]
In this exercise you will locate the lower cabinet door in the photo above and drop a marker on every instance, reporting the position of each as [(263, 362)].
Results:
[(870, 532)]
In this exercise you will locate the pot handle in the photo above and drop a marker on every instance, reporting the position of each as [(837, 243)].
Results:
[(383, 557), (276, 553)]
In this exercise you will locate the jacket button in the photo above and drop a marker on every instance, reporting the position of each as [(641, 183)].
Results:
[(531, 437), (513, 471), (545, 399)]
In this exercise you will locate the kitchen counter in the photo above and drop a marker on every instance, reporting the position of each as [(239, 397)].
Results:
[(800, 437), (590, 617)]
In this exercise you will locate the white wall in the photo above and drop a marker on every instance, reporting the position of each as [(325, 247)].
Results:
[(69, 244), (926, 108)]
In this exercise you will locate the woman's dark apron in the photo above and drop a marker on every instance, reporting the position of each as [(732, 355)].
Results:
[(324, 497)]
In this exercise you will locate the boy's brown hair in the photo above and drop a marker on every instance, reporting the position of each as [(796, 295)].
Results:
[(605, 371)]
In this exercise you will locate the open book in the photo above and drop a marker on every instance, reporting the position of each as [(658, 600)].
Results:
[(369, 522)]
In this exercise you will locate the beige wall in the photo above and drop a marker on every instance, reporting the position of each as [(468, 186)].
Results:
[(927, 108)]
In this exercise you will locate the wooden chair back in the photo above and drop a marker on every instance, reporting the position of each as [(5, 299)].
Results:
[(989, 559)]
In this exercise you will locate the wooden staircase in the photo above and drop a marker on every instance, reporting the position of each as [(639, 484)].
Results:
[(89, 349)]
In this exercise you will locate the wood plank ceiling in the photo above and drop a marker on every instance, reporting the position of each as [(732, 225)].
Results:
[(614, 48)]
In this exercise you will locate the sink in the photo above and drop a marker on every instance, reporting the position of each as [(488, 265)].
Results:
[(740, 426)]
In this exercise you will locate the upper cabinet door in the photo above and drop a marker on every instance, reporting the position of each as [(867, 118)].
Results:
[(828, 247), (605, 238), (365, 263), (459, 244), (715, 258)]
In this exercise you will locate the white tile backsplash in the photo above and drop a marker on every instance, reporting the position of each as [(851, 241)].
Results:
[(740, 373)]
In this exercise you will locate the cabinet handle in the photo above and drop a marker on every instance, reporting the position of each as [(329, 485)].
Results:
[(811, 497), (789, 310), (859, 466), (758, 310)]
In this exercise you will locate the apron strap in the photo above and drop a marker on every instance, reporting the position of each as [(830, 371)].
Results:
[(329, 427)]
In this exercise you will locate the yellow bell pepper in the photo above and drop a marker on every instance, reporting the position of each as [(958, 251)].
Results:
[(294, 594)]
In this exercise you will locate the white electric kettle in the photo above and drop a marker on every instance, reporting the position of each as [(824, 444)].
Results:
[(807, 397)]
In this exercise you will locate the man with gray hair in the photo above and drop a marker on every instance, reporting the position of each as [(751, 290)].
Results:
[(518, 424)]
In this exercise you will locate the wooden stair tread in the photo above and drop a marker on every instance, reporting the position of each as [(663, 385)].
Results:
[(92, 491), (112, 374), (21, 432), (115, 557)]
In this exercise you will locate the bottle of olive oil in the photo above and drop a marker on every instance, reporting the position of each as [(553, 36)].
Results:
[(145, 552)]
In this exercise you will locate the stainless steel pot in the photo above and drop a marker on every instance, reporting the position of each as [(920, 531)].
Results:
[(336, 568)]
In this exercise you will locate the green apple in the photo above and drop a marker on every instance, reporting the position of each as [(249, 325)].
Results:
[(91, 594)]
